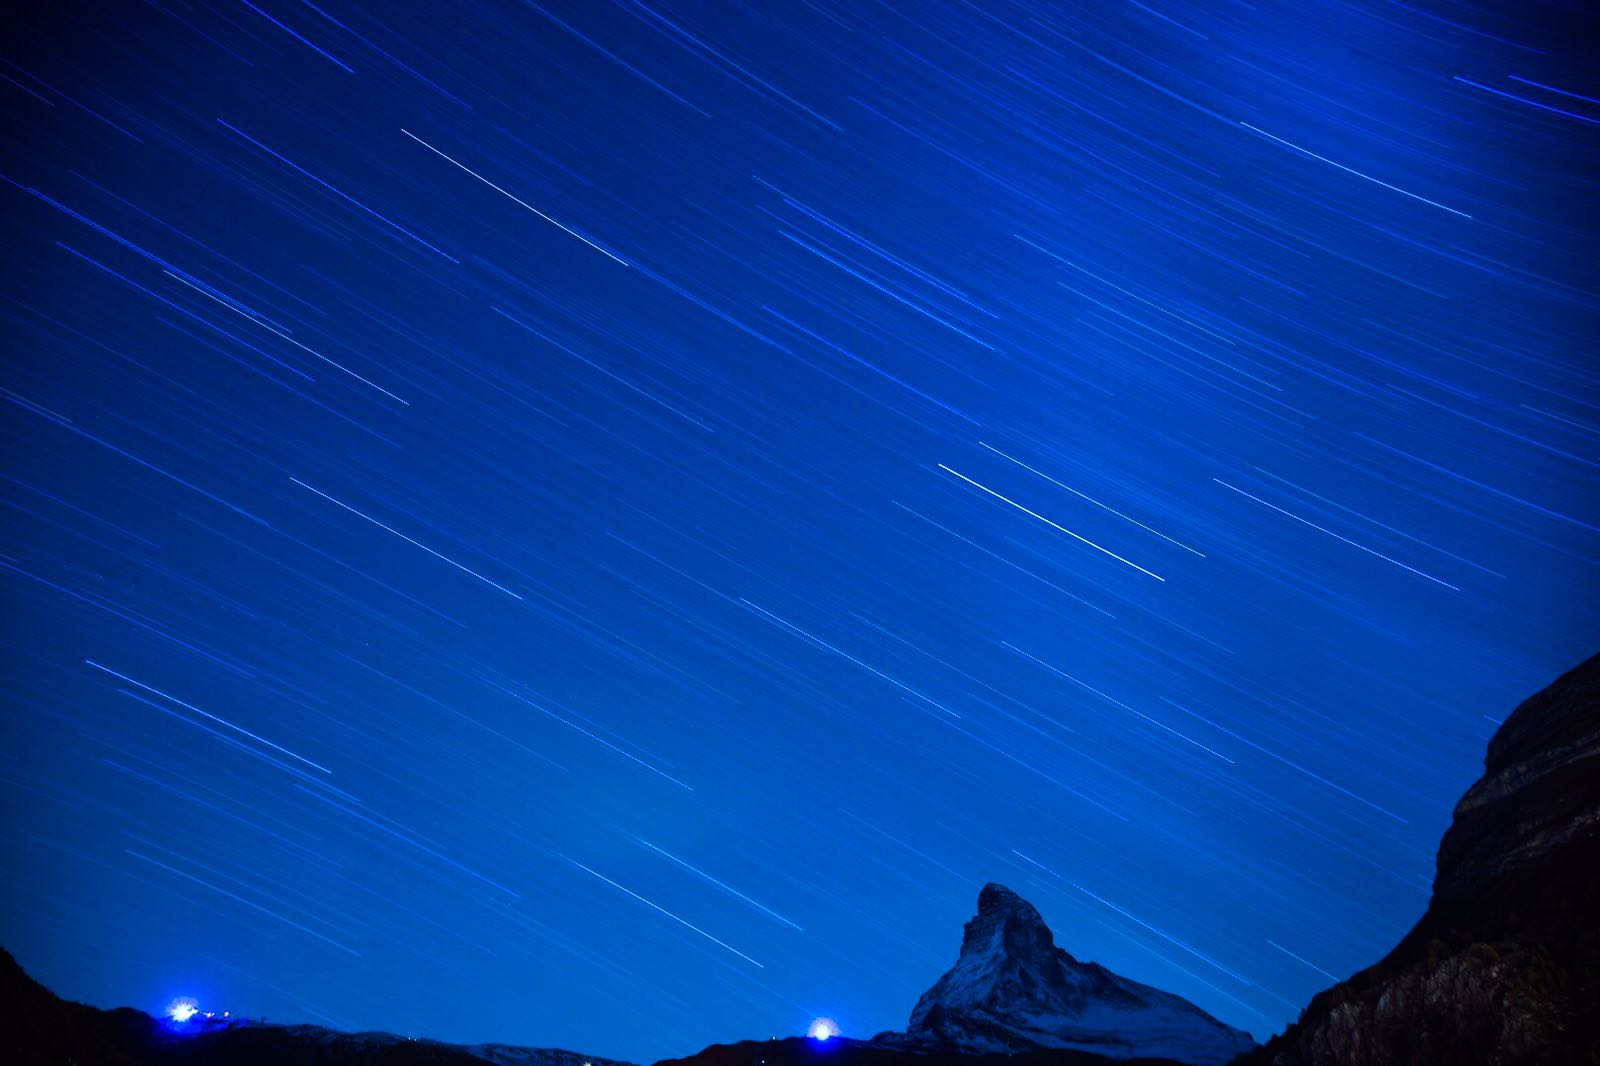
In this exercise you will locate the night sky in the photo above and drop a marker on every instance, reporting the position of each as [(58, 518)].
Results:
[(603, 525)]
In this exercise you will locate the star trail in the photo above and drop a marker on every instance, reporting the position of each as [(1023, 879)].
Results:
[(602, 524)]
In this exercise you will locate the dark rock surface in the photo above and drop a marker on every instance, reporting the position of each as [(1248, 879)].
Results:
[(1504, 966), (840, 1051)]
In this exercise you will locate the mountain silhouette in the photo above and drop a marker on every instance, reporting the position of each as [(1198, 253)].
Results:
[(1502, 968), (1012, 989)]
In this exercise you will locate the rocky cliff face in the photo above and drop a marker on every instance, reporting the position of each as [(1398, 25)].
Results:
[(1504, 966), (1013, 990)]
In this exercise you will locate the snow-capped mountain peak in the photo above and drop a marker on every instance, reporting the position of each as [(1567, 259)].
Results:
[(1012, 989)]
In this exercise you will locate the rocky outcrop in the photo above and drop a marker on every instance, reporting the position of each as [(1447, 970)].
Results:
[(1012, 989), (1504, 966)]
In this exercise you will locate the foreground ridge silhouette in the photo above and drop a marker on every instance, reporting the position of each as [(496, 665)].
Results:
[(1504, 966)]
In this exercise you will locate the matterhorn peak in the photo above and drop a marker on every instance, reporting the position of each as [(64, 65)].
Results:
[(1011, 989), (997, 897), (1006, 925)]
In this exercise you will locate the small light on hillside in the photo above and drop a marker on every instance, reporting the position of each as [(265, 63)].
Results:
[(823, 1029)]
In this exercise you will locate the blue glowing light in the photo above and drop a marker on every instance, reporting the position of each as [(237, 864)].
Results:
[(181, 1010), (822, 1029)]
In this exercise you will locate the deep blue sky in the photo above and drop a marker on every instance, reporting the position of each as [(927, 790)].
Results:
[(603, 525)]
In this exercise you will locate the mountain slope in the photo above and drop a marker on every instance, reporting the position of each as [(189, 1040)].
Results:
[(1013, 990), (1504, 966), (841, 1051), (38, 1028)]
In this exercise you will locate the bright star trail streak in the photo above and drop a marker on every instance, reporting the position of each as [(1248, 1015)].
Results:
[(408, 540), (731, 891), (662, 910), (1331, 533), (513, 199), (1349, 170), (798, 461), (1052, 525), (207, 714)]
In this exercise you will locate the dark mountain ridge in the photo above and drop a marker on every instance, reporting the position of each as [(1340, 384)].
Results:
[(38, 1028), (842, 1051), (1504, 965)]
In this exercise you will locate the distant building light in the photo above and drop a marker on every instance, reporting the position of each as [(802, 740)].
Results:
[(823, 1029)]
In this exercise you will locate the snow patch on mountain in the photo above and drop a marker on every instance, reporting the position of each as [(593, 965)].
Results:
[(1012, 990)]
